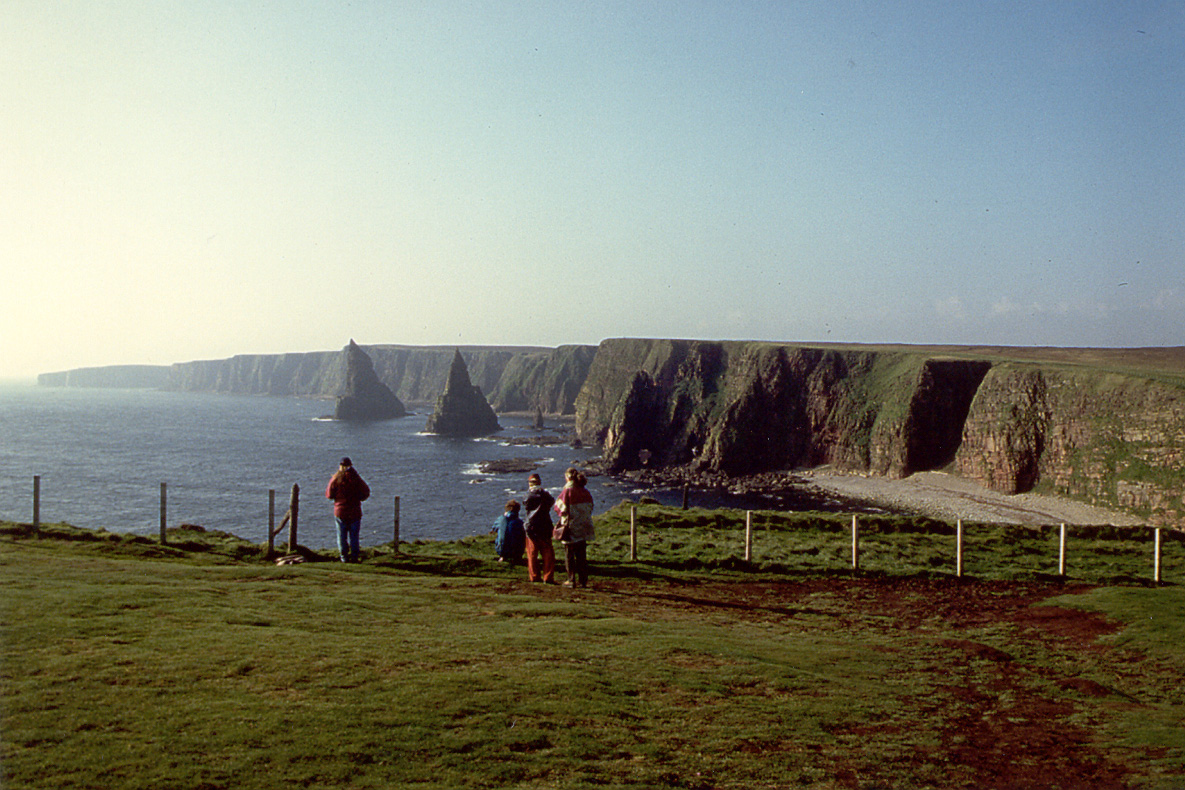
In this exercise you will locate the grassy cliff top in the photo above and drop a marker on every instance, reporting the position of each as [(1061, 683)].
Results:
[(125, 668)]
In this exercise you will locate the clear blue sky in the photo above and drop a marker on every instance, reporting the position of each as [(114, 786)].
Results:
[(193, 180)]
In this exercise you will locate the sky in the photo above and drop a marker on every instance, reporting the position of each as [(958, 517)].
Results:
[(196, 180)]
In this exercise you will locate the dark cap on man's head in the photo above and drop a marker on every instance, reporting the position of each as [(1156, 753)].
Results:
[(346, 461)]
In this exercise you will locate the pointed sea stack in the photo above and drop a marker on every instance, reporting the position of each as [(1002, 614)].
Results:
[(363, 396), (462, 410)]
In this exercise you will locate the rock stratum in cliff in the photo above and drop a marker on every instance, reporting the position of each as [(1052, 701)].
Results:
[(1103, 425), (363, 396), (462, 409)]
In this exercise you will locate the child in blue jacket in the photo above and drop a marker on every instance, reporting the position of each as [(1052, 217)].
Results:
[(510, 538)]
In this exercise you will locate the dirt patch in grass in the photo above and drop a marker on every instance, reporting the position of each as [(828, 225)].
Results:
[(992, 718)]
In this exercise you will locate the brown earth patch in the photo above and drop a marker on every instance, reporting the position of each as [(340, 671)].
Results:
[(999, 720)]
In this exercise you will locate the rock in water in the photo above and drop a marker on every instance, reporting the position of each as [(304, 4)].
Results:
[(363, 396), (462, 410)]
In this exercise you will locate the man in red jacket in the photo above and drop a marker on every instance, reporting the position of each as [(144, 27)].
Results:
[(348, 490)]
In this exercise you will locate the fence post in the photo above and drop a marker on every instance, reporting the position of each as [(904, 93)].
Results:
[(163, 511), (855, 544), (686, 490), (271, 522), (293, 509), (395, 540), (1061, 554), (633, 533), (748, 535), (959, 548), (1156, 557), (37, 506)]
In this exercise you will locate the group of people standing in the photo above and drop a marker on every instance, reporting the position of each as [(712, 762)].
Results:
[(536, 537)]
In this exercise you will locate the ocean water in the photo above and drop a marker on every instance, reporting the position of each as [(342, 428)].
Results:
[(102, 454)]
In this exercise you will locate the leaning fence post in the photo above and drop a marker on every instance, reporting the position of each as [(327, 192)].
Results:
[(633, 533), (293, 508), (37, 506), (748, 535), (855, 544), (959, 548), (163, 511), (395, 540), (1061, 553), (1156, 556)]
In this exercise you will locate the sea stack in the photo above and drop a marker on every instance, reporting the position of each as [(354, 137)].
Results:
[(462, 409), (363, 396)]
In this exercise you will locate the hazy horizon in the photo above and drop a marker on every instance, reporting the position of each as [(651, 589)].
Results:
[(197, 181)]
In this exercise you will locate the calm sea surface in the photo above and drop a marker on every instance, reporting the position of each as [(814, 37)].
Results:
[(102, 454)]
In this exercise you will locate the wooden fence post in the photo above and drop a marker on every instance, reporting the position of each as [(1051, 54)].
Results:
[(633, 533), (1061, 553), (959, 548), (855, 544), (163, 511), (748, 535), (271, 522), (395, 539), (293, 509), (1156, 556), (37, 506), (686, 491)]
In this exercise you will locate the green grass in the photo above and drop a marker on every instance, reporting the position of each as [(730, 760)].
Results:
[(200, 665)]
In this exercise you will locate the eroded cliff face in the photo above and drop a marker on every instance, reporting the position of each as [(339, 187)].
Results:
[(1103, 437), (742, 408)]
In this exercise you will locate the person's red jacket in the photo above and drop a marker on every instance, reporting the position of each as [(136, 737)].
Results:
[(348, 491)]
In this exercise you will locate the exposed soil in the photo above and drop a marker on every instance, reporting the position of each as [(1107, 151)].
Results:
[(994, 718)]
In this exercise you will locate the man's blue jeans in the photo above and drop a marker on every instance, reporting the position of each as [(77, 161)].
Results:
[(347, 538)]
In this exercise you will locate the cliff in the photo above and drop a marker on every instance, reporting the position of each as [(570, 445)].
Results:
[(1110, 430), (540, 378), (1103, 425), (741, 408), (116, 376), (462, 410), (362, 395), (1101, 436)]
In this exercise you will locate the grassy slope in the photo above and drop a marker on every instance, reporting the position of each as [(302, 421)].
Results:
[(131, 665)]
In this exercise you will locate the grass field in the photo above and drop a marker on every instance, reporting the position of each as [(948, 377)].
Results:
[(200, 665)]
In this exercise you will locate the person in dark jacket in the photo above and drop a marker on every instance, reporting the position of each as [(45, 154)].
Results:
[(540, 552), (348, 491), (509, 536)]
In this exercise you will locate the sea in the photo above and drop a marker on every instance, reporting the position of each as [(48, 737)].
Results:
[(102, 454)]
